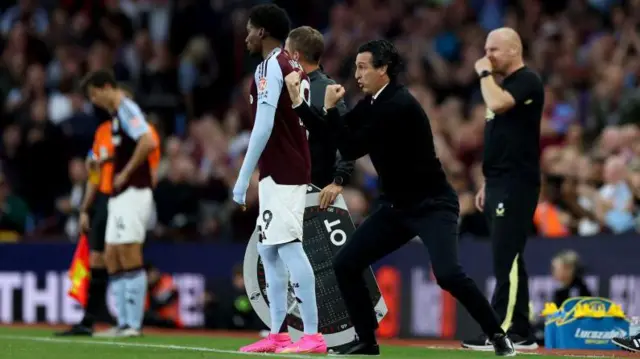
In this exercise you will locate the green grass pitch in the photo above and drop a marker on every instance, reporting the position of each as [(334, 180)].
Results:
[(32, 343)]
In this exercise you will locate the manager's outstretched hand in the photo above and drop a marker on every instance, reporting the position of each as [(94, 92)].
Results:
[(292, 80), (332, 95)]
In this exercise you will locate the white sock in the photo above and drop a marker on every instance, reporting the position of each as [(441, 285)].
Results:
[(276, 277), (304, 283)]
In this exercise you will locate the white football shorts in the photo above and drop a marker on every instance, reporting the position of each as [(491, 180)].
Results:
[(129, 215), (281, 211)]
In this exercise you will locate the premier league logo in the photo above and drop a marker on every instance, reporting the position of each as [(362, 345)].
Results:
[(325, 231)]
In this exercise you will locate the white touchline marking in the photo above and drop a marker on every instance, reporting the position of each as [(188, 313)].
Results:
[(222, 351), (147, 345), (520, 352)]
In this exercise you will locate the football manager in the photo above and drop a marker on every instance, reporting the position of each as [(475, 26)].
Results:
[(392, 128), (511, 167)]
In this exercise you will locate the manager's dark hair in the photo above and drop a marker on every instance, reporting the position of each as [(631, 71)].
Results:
[(273, 19), (383, 53)]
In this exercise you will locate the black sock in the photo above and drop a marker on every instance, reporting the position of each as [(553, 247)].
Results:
[(96, 300)]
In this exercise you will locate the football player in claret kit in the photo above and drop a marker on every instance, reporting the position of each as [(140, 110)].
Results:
[(278, 145), (130, 205)]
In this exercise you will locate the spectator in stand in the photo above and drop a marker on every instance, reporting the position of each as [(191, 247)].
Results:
[(163, 300), (176, 200), (549, 219), (226, 305), (26, 11), (575, 194), (14, 214), (614, 200), (69, 205), (173, 57)]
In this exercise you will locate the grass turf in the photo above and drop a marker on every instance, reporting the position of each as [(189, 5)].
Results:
[(30, 343)]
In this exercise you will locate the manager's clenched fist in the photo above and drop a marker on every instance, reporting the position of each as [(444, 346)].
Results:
[(332, 95)]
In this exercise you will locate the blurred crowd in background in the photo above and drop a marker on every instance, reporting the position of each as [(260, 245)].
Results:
[(187, 64)]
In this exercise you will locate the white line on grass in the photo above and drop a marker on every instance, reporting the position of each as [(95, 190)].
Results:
[(222, 351), (147, 345), (521, 352)]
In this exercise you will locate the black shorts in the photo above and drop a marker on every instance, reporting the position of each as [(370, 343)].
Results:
[(99, 213)]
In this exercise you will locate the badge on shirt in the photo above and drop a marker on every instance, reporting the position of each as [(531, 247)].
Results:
[(135, 122), (262, 84), (500, 210)]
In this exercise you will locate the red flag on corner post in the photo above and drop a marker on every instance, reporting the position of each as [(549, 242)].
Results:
[(79, 271)]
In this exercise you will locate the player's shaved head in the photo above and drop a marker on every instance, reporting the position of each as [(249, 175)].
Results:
[(504, 49)]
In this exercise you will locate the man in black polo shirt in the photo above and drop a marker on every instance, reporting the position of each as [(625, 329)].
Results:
[(511, 169)]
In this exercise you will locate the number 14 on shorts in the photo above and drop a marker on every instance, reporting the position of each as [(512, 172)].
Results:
[(267, 216)]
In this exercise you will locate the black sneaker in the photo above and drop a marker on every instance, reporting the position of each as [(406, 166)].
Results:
[(503, 346), (77, 330), (481, 343), (628, 344), (523, 343)]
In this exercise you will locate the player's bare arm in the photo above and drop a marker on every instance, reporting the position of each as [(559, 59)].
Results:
[(144, 146), (136, 127), (496, 99)]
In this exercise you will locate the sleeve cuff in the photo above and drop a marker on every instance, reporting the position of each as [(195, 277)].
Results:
[(333, 116)]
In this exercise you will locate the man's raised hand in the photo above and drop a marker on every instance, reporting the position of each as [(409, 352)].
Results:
[(332, 95), (292, 80)]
